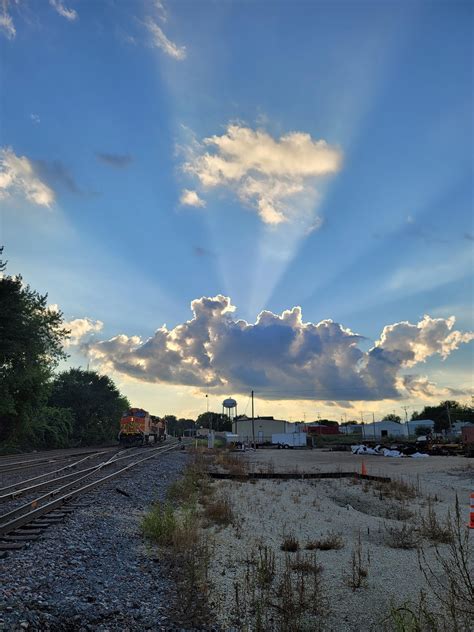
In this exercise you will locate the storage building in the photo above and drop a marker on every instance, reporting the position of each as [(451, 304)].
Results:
[(264, 428)]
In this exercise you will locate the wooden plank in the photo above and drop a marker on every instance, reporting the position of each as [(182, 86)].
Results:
[(10, 546), (20, 538)]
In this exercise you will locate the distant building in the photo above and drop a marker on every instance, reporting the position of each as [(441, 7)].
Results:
[(351, 429), (382, 429), (419, 423), (263, 427), (458, 425), (321, 429)]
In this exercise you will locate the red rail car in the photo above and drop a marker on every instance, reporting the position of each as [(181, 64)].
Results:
[(137, 426)]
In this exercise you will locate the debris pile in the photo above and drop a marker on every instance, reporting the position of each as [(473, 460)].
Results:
[(381, 451)]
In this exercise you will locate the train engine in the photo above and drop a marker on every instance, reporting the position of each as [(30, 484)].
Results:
[(137, 427)]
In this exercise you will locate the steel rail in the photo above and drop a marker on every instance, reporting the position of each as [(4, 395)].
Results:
[(54, 504), (35, 478), (54, 492), (58, 490), (16, 491), (22, 465)]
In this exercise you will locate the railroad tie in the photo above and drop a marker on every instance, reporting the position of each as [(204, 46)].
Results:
[(10, 546), (18, 537)]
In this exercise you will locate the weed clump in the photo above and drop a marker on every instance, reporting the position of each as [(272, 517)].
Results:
[(332, 541), (397, 489), (290, 544), (159, 524), (403, 537), (358, 571), (432, 529), (219, 510)]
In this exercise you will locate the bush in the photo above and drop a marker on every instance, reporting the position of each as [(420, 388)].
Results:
[(160, 524)]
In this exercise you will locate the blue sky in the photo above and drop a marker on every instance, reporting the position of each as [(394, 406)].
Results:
[(313, 154)]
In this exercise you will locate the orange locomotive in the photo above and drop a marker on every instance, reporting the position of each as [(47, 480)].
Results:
[(137, 426)]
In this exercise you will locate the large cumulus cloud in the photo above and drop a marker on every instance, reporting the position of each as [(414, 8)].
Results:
[(279, 355)]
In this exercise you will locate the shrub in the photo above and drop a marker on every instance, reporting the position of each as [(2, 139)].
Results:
[(331, 542), (160, 524), (290, 544)]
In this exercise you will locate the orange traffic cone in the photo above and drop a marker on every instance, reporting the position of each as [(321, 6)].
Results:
[(363, 469), (471, 513)]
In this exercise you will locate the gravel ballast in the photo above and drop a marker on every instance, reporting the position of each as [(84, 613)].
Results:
[(94, 571)]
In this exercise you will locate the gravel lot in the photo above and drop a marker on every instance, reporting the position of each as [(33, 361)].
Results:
[(266, 510), (94, 571)]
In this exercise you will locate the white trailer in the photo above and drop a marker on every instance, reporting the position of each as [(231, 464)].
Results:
[(289, 439)]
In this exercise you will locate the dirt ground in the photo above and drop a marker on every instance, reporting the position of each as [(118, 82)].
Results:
[(360, 516)]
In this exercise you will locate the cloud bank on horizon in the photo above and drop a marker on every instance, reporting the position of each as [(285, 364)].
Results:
[(280, 356), (274, 176)]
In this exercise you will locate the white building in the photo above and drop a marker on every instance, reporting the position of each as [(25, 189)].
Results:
[(350, 429), (263, 427), (383, 429), (420, 423), (387, 429)]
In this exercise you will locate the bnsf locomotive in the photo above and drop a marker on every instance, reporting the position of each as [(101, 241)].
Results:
[(137, 426)]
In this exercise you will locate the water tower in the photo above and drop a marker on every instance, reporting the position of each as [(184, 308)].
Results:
[(229, 408)]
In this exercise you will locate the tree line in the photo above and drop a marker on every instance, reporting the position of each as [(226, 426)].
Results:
[(40, 408)]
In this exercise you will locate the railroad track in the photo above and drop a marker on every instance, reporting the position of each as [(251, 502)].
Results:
[(26, 523), (12, 464), (51, 478)]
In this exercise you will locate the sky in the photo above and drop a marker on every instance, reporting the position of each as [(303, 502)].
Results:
[(232, 196)]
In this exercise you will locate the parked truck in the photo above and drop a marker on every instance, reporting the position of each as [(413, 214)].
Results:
[(289, 439)]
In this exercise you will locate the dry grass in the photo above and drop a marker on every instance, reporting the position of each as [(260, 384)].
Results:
[(358, 571), (218, 510), (397, 489), (290, 544), (450, 585), (432, 529), (231, 463), (332, 541), (399, 512), (403, 537), (286, 598), (306, 564)]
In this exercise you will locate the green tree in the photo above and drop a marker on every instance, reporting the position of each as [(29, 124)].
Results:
[(31, 345), (392, 417), (176, 427), (445, 410), (94, 401), (216, 421)]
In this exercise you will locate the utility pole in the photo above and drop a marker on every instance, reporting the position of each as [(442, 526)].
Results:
[(253, 424), (405, 408), (449, 419)]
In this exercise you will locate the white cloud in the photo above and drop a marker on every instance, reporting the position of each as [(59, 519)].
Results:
[(191, 198), (419, 386), (35, 118), (69, 14), (280, 356), (81, 328), (160, 40), (412, 344), (18, 176), (160, 9), (6, 22), (272, 175)]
